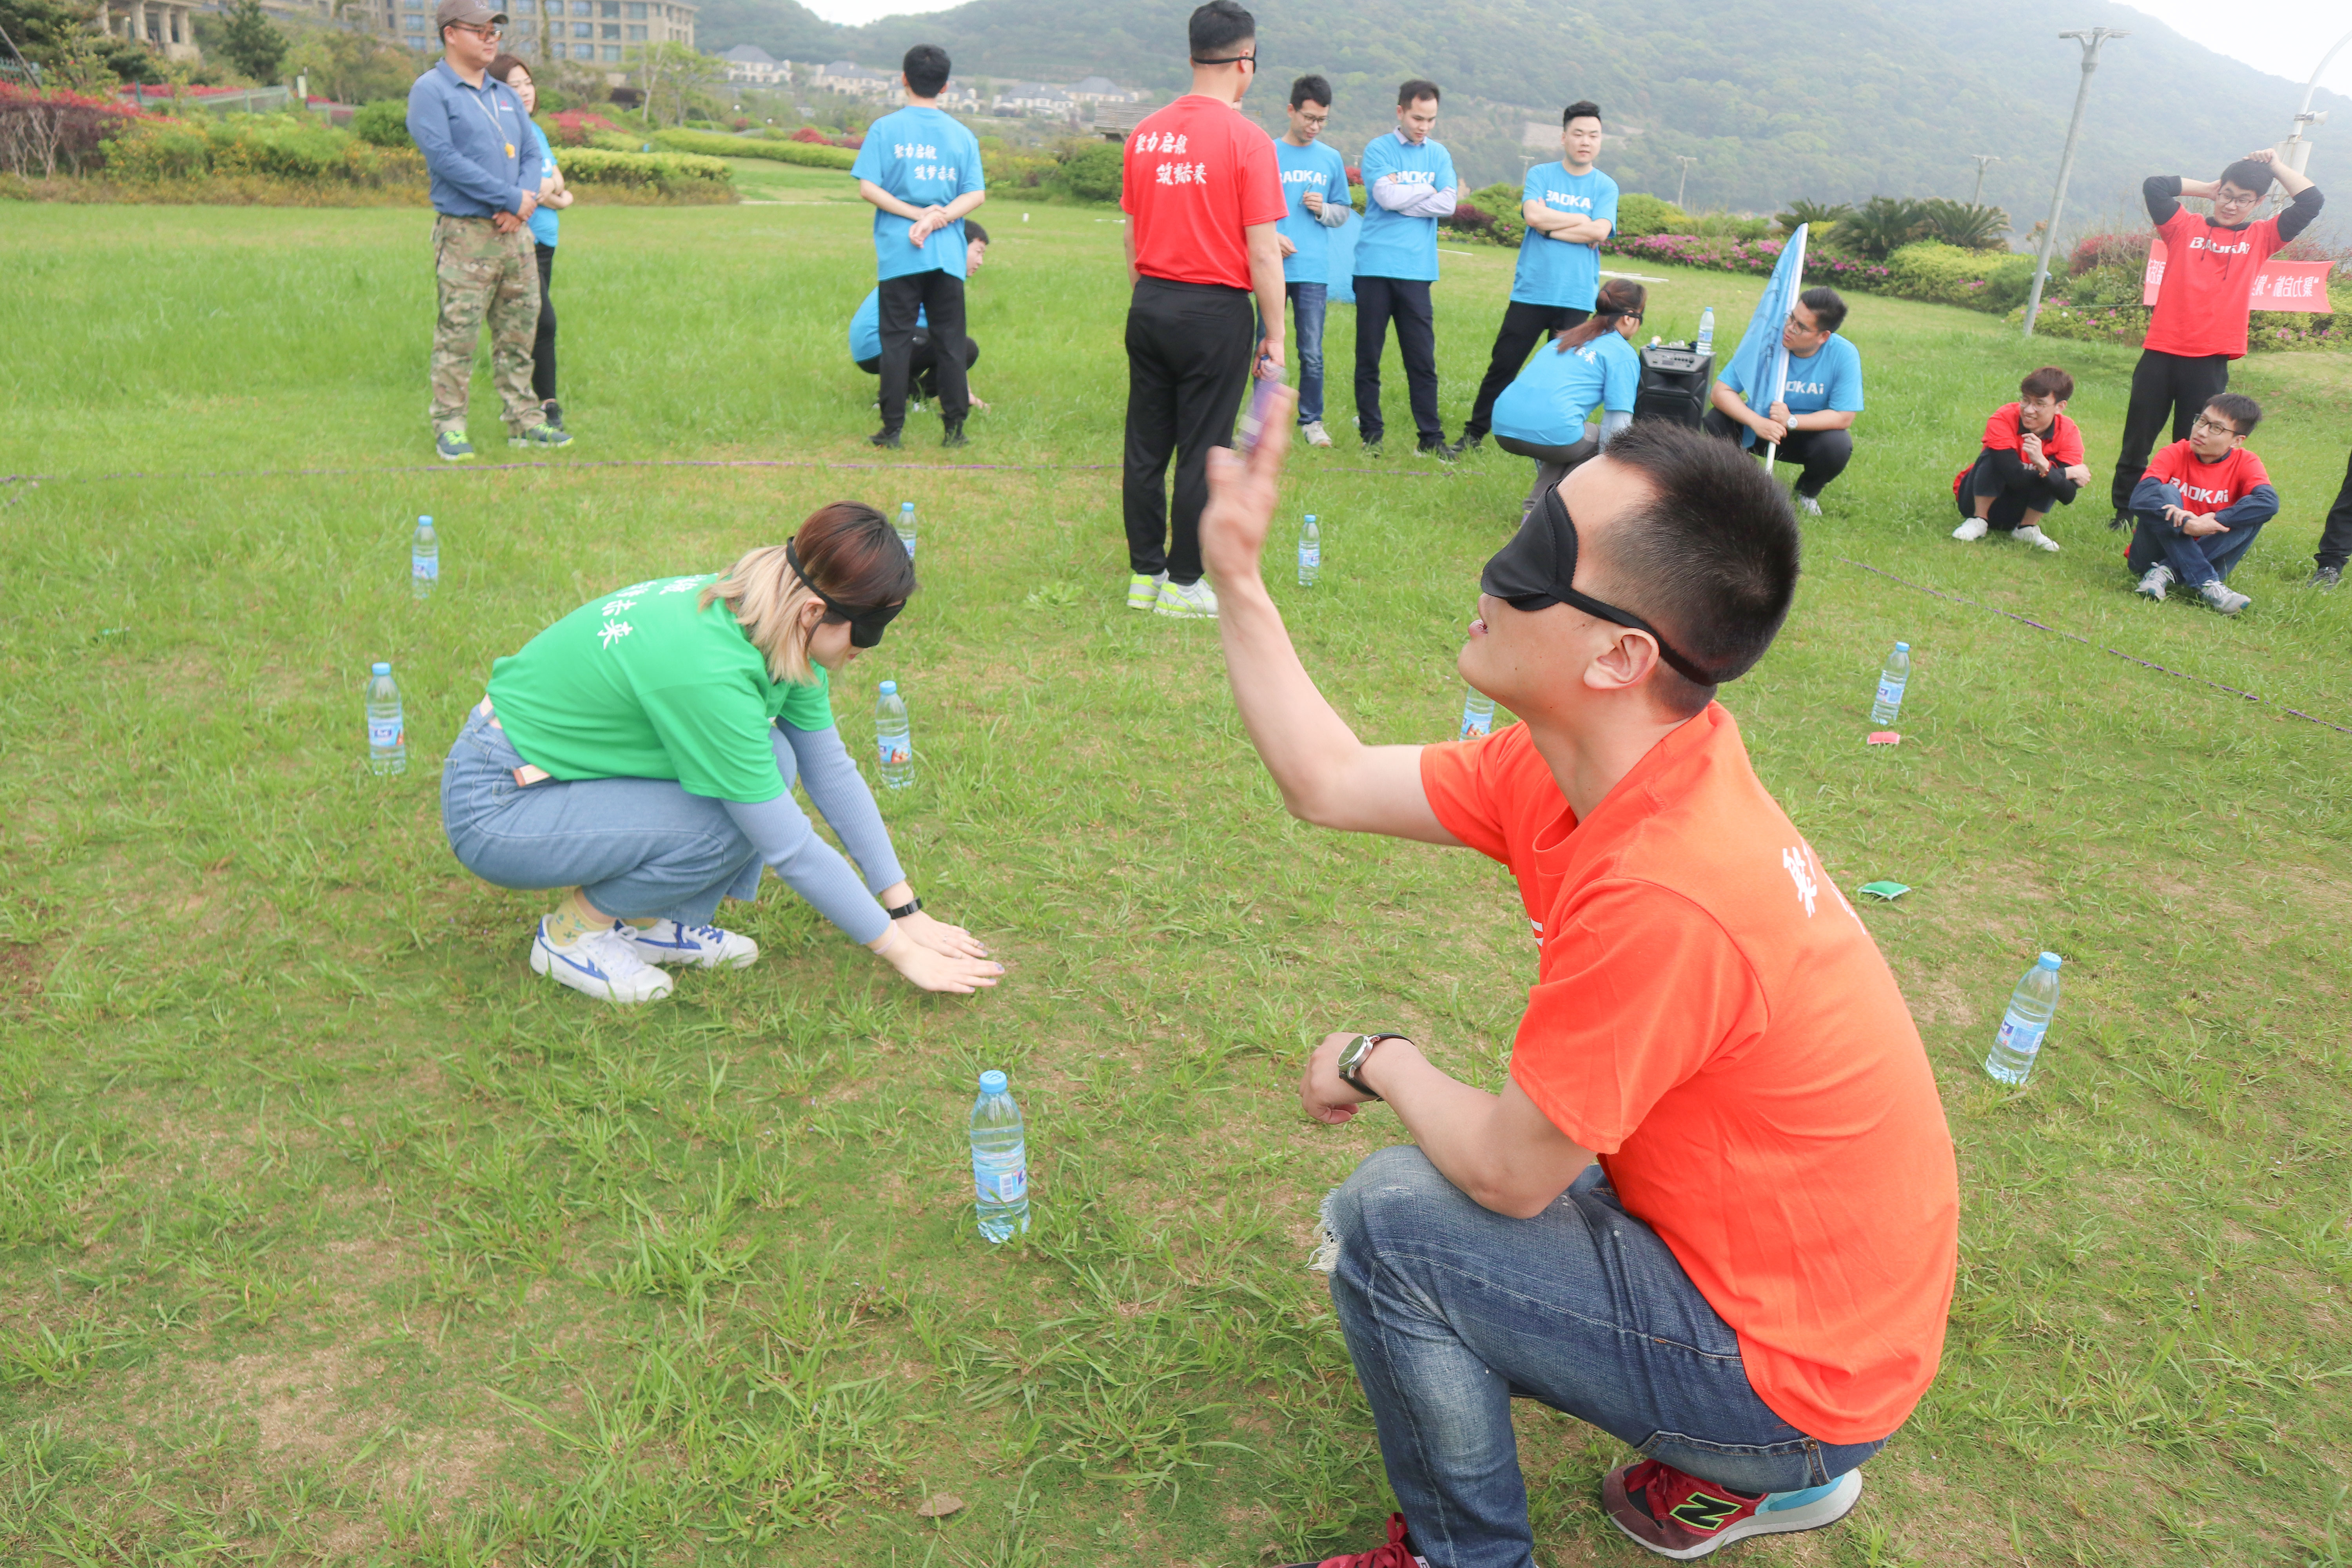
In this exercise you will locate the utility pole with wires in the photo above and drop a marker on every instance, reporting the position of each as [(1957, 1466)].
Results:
[(2089, 39), (1975, 197), (1685, 180)]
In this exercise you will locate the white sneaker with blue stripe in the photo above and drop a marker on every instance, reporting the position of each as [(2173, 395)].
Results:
[(707, 947), (604, 964)]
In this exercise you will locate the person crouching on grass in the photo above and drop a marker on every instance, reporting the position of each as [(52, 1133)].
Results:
[(1714, 1210), (642, 750), (2032, 461), (923, 360), (2198, 508)]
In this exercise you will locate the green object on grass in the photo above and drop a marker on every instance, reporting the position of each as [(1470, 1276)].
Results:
[(1890, 891)]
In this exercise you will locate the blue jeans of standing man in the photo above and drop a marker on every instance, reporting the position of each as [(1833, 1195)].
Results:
[(1451, 1310), (1307, 306)]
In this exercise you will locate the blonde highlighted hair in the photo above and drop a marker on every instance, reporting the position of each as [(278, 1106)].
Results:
[(847, 549)]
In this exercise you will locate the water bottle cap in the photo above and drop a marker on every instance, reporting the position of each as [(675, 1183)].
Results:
[(992, 1081), (425, 522), (381, 669), (889, 689), (1903, 647), (905, 505), (2049, 960), (1310, 517)]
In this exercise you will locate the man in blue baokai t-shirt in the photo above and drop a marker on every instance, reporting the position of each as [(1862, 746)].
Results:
[(920, 170), (1315, 191), (1570, 208), (1409, 185), (1812, 420)]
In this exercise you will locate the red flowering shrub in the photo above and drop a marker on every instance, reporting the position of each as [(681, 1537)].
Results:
[(811, 133), (43, 133), (2095, 250), (572, 126)]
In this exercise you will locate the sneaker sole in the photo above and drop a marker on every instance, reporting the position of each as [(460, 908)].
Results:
[(1817, 1515), (699, 960), (1185, 615), (453, 457), (542, 446), (543, 963)]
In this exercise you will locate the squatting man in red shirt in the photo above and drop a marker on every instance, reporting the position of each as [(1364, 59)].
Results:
[(2200, 504), (1713, 1209)]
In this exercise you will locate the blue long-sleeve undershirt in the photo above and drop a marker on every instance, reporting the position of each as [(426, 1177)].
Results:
[(788, 842), (2152, 495)]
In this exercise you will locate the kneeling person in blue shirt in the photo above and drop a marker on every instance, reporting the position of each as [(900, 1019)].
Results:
[(1541, 414), (1812, 420), (923, 361)]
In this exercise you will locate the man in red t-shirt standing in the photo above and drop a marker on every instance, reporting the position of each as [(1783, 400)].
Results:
[(1203, 193), (2200, 506), (2199, 325), (1714, 1210)]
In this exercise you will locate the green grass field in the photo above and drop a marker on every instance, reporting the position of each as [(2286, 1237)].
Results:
[(333, 1235)]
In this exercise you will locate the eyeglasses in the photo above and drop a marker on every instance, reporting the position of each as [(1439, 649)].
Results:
[(491, 31), (2217, 426), (2236, 198)]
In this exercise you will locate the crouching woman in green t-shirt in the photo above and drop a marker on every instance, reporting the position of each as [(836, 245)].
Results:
[(641, 751)]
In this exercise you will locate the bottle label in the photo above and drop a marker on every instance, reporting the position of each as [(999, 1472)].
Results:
[(896, 749), (2019, 1037), (1000, 1178), (1310, 556), (425, 568), (384, 735), (1890, 692), (1476, 723), (909, 541)]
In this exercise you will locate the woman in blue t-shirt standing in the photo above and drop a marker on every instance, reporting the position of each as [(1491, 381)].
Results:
[(1541, 415), (553, 196)]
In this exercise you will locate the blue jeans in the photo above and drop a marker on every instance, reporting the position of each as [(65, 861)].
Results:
[(638, 849), (1307, 306), (2195, 561), (1451, 1310)]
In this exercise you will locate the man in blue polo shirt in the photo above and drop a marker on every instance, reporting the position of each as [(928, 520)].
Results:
[(922, 171), (1812, 418), (485, 172), (1315, 186), (1569, 208), (1409, 185)]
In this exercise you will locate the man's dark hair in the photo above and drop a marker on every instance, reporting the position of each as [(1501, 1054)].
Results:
[(2047, 382), (2239, 409), (1828, 307), (2248, 175), (1711, 560), (1217, 31), (926, 66), (1582, 108), (1415, 90), (971, 231), (1310, 89)]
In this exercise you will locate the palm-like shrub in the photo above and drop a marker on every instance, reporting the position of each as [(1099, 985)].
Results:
[(1882, 225), (1960, 224), (1818, 214)]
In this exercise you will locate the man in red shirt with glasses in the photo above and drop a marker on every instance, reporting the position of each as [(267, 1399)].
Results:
[(1714, 1210)]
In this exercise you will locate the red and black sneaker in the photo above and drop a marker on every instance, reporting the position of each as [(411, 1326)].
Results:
[(1681, 1517), (1397, 1554)]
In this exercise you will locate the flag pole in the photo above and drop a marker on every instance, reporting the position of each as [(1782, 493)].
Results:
[(1780, 347)]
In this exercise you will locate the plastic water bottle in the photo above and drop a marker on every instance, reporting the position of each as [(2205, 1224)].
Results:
[(1707, 330), (424, 559), (906, 526), (1310, 552), (999, 1160), (1477, 715), (894, 738), (2031, 1008), (1892, 679), (387, 746)]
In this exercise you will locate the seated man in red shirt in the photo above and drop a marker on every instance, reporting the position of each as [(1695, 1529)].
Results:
[(2032, 461), (2200, 505), (1713, 1209)]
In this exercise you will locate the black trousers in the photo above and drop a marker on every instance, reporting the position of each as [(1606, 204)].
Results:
[(938, 295), (542, 345), (1189, 347), (1553, 464), (2336, 538), (2015, 489), (1823, 454), (1405, 301), (923, 364), (2163, 385), (1524, 326)]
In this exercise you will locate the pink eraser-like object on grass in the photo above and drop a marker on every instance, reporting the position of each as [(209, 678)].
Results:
[(1883, 738)]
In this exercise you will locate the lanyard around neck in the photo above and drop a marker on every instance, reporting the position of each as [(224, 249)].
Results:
[(495, 129)]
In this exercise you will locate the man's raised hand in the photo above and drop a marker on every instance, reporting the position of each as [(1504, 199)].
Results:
[(1323, 1094), (1242, 496)]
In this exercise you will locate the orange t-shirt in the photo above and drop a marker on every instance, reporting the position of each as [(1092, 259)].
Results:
[(1712, 1018)]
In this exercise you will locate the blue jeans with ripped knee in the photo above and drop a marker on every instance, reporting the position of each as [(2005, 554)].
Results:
[(1450, 1310)]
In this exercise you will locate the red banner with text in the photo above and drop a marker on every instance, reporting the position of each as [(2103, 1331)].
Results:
[(2279, 286)]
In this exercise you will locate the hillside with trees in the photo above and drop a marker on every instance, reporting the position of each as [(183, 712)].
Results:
[(1829, 99)]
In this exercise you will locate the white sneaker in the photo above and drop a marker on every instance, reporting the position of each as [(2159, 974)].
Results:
[(1971, 530), (1315, 433), (2155, 581), (2032, 535), (604, 964), (2222, 598), (1143, 589), (1810, 505), (1195, 603), (706, 947)]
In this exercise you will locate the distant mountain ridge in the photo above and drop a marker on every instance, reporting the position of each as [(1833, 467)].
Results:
[(1831, 100)]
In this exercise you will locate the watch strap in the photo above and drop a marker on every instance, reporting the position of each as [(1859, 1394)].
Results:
[(903, 910), (1371, 1042)]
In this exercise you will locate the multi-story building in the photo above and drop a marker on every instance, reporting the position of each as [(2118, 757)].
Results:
[(596, 32), (167, 26), (849, 77), (752, 64), (1035, 97)]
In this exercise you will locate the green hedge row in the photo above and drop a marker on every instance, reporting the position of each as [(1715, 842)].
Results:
[(281, 148), (681, 176), (810, 154)]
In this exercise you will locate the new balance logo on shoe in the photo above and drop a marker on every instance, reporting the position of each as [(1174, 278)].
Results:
[(1703, 1510)]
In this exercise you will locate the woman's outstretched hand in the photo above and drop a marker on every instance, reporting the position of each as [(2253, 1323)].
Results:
[(934, 969), (953, 942)]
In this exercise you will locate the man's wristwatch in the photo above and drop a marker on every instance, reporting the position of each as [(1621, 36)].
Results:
[(903, 910), (1354, 1055)]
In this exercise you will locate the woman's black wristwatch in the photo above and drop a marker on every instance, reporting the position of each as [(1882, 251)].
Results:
[(903, 910)]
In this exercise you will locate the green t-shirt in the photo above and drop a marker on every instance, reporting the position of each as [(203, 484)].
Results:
[(637, 684)]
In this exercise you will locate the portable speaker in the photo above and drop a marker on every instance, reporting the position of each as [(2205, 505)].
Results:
[(1674, 380)]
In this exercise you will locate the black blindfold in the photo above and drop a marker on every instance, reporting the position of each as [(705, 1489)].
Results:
[(1537, 568), (865, 622)]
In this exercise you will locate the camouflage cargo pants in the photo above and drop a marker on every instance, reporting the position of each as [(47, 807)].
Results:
[(483, 273)]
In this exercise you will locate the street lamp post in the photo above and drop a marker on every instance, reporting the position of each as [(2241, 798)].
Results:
[(1685, 180), (2090, 39), (1975, 197), (2295, 151)]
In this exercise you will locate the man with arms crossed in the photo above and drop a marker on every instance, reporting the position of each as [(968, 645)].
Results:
[(2199, 324), (1315, 191), (1714, 1210), (920, 170), (478, 148), (1409, 185), (1202, 197), (1570, 207)]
